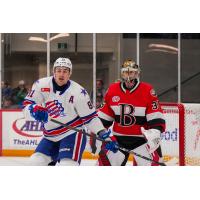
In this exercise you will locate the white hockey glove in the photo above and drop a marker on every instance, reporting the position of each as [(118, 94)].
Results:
[(153, 138)]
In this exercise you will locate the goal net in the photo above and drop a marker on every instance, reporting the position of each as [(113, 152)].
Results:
[(182, 136)]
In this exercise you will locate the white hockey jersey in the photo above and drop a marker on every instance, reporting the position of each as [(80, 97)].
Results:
[(72, 106)]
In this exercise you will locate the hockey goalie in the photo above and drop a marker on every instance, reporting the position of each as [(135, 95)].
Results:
[(133, 110)]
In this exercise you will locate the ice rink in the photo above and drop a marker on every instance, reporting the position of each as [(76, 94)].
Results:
[(22, 161)]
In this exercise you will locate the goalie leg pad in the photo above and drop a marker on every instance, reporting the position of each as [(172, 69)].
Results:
[(113, 159), (144, 150)]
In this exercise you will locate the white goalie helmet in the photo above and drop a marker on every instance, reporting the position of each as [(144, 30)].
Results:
[(63, 62), (129, 65)]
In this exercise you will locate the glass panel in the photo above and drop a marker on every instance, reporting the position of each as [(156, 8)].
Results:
[(107, 63), (24, 61), (128, 47), (78, 48), (190, 62), (159, 64)]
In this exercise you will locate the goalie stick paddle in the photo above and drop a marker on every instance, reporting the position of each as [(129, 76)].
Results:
[(120, 148)]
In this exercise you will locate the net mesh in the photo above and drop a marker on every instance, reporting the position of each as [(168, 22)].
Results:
[(192, 134), (170, 138), (188, 142)]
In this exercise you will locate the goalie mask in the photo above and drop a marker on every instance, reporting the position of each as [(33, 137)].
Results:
[(63, 62), (130, 71)]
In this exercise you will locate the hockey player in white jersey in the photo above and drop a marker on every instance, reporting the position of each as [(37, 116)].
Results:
[(61, 98)]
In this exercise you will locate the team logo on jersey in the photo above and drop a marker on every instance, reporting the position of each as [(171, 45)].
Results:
[(153, 93), (55, 108), (127, 117), (116, 99), (45, 89)]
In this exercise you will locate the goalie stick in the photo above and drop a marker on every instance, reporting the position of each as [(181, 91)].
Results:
[(120, 148)]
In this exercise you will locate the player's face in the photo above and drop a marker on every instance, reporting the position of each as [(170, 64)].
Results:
[(99, 84), (129, 75), (61, 75)]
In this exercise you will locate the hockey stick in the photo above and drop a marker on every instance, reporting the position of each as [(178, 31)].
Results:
[(120, 148)]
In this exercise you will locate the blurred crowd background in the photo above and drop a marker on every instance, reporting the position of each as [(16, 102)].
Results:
[(166, 60)]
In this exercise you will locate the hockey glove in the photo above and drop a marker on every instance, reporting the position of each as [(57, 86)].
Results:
[(111, 143), (153, 138), (39, 113), (94, 144)]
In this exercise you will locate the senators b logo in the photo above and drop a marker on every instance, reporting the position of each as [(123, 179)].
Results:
[(127, 117)]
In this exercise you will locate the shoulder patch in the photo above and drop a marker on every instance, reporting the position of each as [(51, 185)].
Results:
[(45, 89), (153, 93), (115, 98), (83, 91)]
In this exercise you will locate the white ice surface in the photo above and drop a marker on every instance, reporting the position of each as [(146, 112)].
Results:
[(21, 161)]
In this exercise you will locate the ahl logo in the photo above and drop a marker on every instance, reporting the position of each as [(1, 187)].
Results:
[(116, 99), (25, 128)]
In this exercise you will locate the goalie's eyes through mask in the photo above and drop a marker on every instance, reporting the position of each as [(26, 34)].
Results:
[(130, 70), (129, 75)]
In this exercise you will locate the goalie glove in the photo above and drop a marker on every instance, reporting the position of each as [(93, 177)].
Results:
[(153, 138), (39, 113)]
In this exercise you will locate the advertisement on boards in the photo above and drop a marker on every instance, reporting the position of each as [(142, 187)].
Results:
[(19, 133)]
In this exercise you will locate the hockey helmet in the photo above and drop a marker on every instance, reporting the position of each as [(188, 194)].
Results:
[(129, 66), (63, 62)]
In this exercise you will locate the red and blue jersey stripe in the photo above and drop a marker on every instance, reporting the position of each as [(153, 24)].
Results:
[(76, 122)]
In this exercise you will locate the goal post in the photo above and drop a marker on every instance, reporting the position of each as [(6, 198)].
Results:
[(182, 136), (173, 138)]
